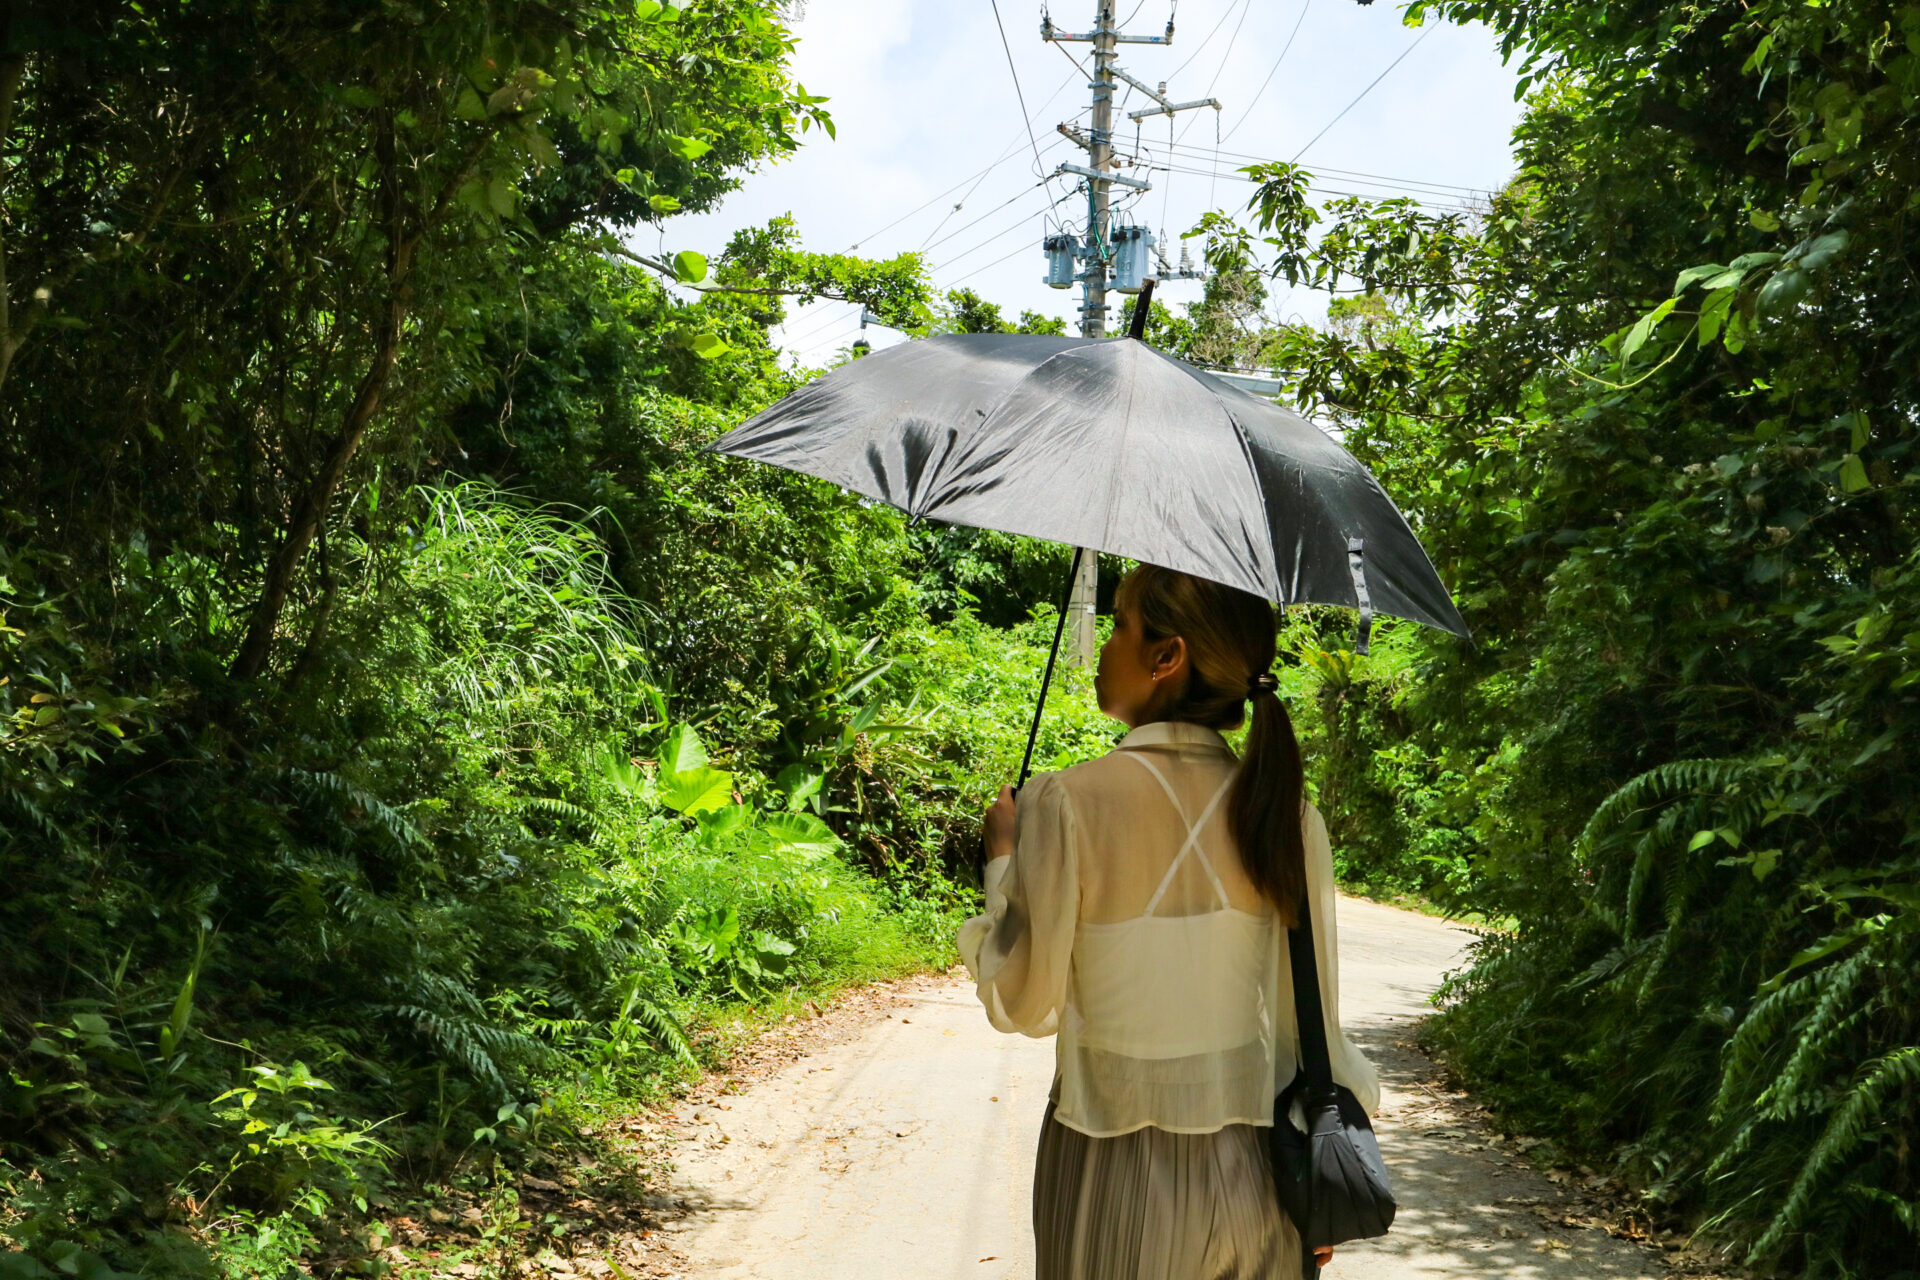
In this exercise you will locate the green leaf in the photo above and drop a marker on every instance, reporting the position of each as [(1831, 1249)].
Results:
[(689, 267), (1762, 220), (800, 833), (800, 783), (696, 791), (1787, 286), (1638, 335), (708, 345), (1822, 949), (1713, 313), (723, 821), (500, 197), (687, 148), (1861, 432), (684, 752), (1853, 474), (1814, 254), (1692, 274), (1701, 839), (663, 204)]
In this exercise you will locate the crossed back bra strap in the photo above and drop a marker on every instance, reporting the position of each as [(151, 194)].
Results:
[(1193, 834)]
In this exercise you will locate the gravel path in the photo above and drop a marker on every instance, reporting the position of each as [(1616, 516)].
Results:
[(900, 1144)]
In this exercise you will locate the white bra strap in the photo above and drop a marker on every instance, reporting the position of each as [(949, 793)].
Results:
[(1166, 786), (1193, 836)]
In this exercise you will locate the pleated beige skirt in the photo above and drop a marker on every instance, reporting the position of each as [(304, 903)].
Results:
[(1154, 1205)]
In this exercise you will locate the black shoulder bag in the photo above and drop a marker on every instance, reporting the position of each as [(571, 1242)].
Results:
[(1330, 1179)]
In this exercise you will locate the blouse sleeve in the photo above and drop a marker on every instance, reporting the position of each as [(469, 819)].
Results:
[(1019, 949), (1350, 1067)]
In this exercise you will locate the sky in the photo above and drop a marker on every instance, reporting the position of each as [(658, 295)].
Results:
[(928, 116)]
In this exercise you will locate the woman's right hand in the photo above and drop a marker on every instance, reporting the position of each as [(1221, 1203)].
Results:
[(1322, 1255), (997, 828)]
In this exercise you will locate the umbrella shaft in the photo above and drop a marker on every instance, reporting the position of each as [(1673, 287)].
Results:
[(1033, 731)]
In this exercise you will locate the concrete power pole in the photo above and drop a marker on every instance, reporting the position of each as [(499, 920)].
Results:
[(1097, 250)]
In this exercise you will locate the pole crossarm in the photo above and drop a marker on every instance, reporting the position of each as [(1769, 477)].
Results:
[(1050, 32), (1138, 184), (1168, 108)]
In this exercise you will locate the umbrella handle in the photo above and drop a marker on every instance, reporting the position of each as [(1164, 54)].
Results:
[(1033, 730)]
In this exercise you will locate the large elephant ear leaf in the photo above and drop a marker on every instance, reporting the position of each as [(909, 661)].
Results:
[(800, 833), (684, 752), (697, 790)]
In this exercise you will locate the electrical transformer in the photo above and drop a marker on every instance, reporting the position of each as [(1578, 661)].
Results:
[(1132, 258), (1059, 260)]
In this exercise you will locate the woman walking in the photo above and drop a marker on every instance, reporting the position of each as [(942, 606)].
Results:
[(1135, 909)]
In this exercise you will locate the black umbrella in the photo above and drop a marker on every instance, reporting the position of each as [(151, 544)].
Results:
[(1110, 444)]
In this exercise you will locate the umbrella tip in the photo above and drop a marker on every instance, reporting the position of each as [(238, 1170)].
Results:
[(1142, 303)]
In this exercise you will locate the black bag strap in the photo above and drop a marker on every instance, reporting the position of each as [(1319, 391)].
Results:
[(1307, 1010)]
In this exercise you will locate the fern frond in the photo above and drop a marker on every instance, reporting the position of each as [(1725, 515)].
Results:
[(1849, 1129), (1907, 1212), (1766, 1023), (387, 820), (1659, 783), (1834, 1013), (558, 809)]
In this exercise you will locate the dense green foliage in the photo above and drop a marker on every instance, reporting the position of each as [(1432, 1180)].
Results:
[(411, 745), (1654, 412)]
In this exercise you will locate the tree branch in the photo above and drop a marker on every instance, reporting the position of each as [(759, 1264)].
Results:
[(767, 291)]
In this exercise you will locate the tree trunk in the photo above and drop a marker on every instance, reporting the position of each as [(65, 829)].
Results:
[(312, 506)]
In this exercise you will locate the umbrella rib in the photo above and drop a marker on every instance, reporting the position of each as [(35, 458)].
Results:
[(1253, 470), (1126, 432)]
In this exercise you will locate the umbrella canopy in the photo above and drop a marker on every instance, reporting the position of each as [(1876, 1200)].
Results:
[(1110, 444)]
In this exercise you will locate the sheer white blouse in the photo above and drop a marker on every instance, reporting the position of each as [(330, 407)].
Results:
[(1124, 925)]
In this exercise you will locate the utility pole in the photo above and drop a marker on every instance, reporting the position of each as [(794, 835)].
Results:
[(1097, 250)]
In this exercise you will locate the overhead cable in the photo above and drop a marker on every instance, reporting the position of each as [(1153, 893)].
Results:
[(1209, 39), (1003, 232), (1019, 94), (1221, 158), (1273, 70), (1364, 92), (1005, 155)]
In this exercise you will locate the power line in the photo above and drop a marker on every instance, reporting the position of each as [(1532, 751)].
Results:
[(1209, 40), (1026, 116), (1364, 92), (1343, 173), (1225, 54), (930, 242), (1006, 154), (1273, 70), (1005, 231), (1433, 202), (990, 266), (1019, 195)]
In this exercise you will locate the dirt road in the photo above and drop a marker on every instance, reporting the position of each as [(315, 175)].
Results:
[(906, 1149)]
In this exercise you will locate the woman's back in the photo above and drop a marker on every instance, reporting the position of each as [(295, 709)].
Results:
[(1121, 918), (1140, 940)]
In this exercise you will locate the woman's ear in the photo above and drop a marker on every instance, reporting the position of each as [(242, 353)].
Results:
[(1170, 658)]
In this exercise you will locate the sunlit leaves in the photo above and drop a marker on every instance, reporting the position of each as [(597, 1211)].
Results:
[(689, 267)]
